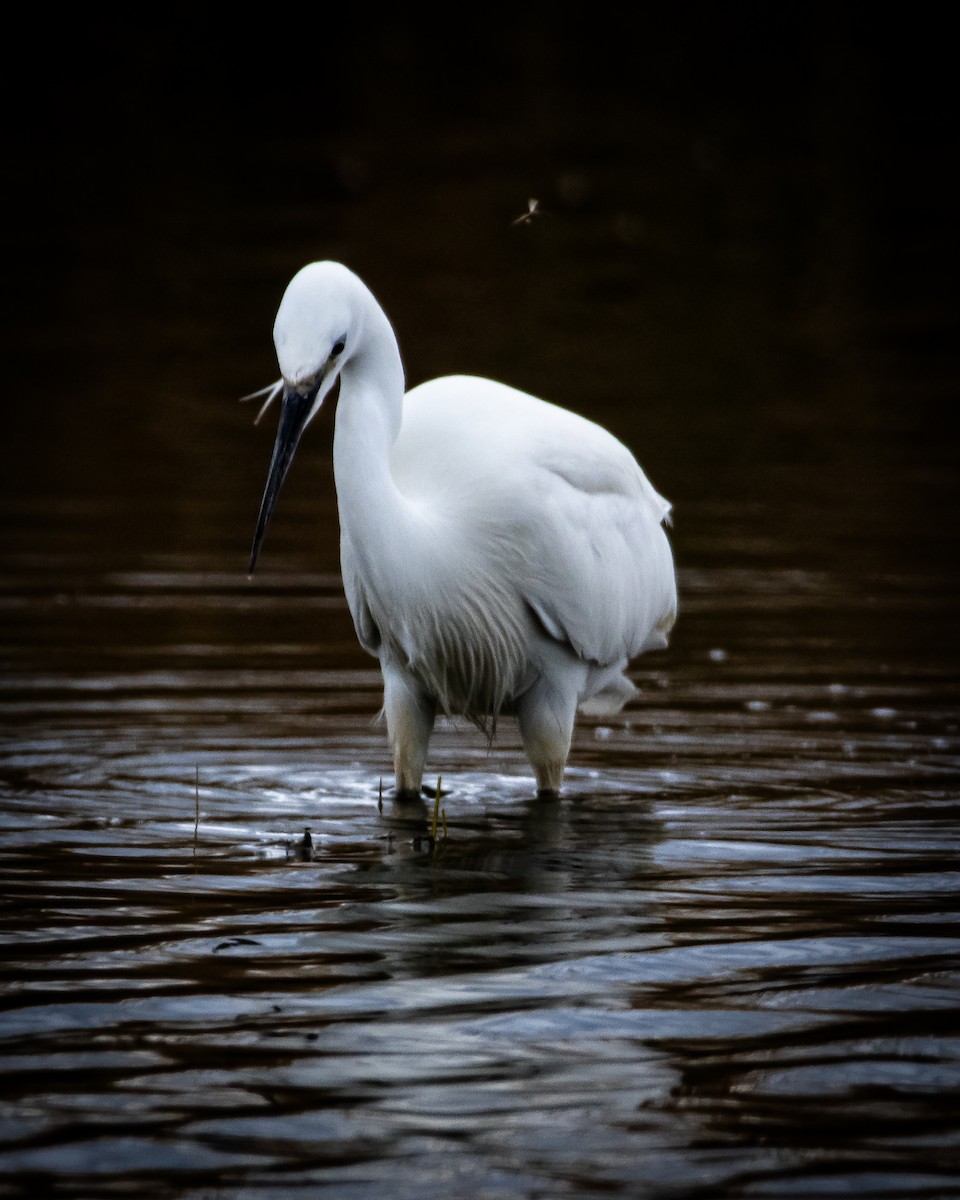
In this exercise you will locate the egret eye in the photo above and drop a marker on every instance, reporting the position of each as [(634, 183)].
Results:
[(337, 349)]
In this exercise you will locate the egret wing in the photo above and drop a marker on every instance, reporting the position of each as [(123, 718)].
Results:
[(599, 567), (556, 499)]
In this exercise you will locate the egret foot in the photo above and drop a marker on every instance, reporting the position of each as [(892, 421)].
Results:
[(550, 795)]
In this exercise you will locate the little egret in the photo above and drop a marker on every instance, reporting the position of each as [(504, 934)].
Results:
[(500, 555)]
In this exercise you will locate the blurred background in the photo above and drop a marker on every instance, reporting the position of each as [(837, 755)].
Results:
[(744, 263)]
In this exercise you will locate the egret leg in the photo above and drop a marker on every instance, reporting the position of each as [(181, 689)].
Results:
[(410, 715), (545, 715)]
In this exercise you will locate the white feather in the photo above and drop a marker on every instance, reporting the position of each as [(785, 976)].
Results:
[(271, 391)]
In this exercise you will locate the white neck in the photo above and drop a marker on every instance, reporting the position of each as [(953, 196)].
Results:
[(369, 410)]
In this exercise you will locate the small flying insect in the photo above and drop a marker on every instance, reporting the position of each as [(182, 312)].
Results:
[(533, 210)]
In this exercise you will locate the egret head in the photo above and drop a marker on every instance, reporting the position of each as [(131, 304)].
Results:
[(314, 334)]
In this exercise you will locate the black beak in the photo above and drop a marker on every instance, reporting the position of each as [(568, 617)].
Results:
[(296, 408)]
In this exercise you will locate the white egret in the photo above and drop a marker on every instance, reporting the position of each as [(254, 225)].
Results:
[(500, 555)]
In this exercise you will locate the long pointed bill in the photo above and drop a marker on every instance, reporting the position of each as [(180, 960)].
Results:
[(294, 412)]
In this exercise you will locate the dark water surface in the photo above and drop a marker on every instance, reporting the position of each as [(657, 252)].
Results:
[(728, 961)]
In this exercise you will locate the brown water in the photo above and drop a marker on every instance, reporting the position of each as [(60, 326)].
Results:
[(728, 962)]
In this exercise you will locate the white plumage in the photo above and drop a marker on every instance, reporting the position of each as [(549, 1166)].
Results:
[(500, 555)]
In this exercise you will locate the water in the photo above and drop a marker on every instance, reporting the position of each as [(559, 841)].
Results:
[(728, 961)]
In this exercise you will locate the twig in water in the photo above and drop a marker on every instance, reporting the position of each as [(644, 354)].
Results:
[(436, 809)]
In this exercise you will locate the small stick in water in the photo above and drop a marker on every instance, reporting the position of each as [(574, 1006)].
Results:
[(436, 809)]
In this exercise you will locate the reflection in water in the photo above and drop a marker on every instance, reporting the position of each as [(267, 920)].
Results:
[(728, 959), (727, 962)]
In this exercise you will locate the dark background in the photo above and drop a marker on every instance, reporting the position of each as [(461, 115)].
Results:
[(745, 266)]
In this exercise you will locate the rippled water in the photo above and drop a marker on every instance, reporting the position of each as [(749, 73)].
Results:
[(729, 958), (727, 962)]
